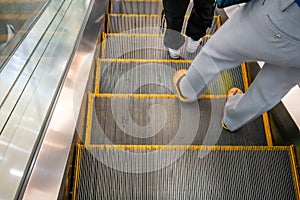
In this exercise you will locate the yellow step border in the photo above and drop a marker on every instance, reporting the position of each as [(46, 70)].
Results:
[(103, 43), (218, 21), (152, 96), (144, 60), (97, 77), (77, 170), (142, 35), (267, 127), (189, 147), (89, 119), (145, 15), (15, 16), (295, 171)]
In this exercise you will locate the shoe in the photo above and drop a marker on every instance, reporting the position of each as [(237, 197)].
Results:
[(231, 92), (10, 35), (192, 45), (176, 80), (174, 53)]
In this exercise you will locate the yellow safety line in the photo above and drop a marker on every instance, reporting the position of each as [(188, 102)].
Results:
[(268, 133), (134, 15), (134, 35), (245, 76), (143, 35), (140, 0), (77, 170), (191, 147), (219, 21), (15, 16), (146, 15), (295, 171), (154, 96), (108, 23), (103, 44), (89, 119), (143, 60), (97, 78), (19, 1)]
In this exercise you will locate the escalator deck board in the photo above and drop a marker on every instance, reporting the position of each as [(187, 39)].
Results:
[(147, 121), (157, 78), (185, 174)]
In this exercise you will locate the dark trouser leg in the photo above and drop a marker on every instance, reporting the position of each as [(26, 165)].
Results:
[(174, 13), (201, 18)]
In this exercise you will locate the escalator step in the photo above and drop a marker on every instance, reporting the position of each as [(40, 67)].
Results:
[(136, 7), (227, 173), (140, 46), (157, 78), (139, 7), (140, 120), (145, 24)]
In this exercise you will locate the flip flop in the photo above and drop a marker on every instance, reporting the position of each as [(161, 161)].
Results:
[(233, 91)]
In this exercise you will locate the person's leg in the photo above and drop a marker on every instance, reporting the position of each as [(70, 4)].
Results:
[(269, 86), (174, 11), (272, 29), (247, 36), (200, 19), (225, 50)]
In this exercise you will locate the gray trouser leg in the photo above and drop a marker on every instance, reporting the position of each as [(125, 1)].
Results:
[(269, 86), (252, 34)]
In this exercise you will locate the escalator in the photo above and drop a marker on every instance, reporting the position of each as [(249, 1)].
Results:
[(140, 142)]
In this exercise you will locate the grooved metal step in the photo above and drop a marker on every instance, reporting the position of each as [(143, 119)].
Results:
[(139, 6), (145, 24), (156, 78), (140, 46), (133, 172), (162, 119)]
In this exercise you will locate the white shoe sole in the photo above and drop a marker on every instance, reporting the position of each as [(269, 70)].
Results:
[(175, 54)]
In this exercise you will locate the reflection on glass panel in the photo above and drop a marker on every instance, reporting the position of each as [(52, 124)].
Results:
[(16, 18)]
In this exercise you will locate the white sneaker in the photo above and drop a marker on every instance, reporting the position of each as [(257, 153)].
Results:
[(192, 45), (174, 53)]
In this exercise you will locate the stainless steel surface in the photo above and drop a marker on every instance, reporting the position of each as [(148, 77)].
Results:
[(17, 73), (42, 77), (45, 180), (18, 61), (109, 172)]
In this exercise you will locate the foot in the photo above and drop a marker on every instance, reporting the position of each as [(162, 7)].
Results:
[(234, 91), (176, 80), (174, 54), (231, 93), (192, 45)]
